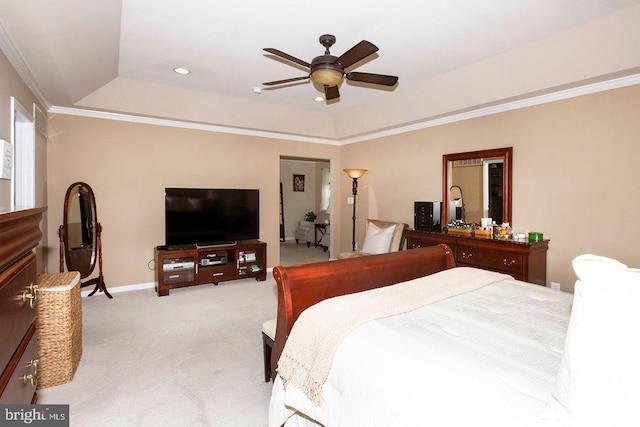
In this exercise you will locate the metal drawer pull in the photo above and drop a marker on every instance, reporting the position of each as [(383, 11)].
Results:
[(30, 294), (32, 378), (508, 263), (218, 274), (466, 255)]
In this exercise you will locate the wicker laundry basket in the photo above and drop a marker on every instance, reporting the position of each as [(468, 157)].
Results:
[(59, 328)]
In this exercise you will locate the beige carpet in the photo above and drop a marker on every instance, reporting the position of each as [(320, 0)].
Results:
[(193, 358), (292, 254)]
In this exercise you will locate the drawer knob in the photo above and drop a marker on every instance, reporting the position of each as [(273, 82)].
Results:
[(466, 255), (31, 377), (34, 363), (30, 295), (508, 263)]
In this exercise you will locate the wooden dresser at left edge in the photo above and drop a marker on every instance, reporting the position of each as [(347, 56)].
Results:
[(19, 235)]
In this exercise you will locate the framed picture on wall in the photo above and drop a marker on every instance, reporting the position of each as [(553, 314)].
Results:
[(298, 182)]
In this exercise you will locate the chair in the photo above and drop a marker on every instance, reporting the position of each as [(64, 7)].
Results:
[(381, 237), (305, 232), (268, 338)]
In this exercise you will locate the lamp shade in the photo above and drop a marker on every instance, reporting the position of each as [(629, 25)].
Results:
[(355, 173), (326, 77), (455, 193)]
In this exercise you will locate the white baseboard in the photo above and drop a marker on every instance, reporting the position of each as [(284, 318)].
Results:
[(135, 287), (119, 289)]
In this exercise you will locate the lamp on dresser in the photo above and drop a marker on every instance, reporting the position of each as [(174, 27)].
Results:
[(354, 174)]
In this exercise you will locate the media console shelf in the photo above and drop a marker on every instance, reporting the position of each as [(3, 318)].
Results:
[(177, 267)]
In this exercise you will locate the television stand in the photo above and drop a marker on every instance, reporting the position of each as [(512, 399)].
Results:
[(199, 265), (216, 244)]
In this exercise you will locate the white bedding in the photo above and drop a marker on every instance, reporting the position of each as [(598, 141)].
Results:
[(490, 356)]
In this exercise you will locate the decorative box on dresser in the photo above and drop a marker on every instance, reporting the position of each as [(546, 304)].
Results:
[(526, 261), (19, 233)]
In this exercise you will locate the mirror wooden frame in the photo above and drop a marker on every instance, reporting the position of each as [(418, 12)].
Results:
[(84, 262), (507, 180)]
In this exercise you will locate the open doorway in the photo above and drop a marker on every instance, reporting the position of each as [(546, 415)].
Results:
[(305, 211)]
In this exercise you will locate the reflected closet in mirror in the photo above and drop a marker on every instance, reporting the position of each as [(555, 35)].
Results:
[(80, 236)]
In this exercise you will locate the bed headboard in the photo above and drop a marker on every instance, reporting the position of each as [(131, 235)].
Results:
[(302, 286)]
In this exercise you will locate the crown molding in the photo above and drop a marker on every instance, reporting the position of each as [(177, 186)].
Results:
[(445, 119), (15, 59), (503, 107), (187, 125)]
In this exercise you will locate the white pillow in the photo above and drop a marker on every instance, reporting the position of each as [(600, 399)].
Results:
[(599, 379), (377, 240), (594, 267)]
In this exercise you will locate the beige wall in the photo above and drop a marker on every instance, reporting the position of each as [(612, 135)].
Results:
[(12, 86), (575, 177), (128, 165), (575, 173)]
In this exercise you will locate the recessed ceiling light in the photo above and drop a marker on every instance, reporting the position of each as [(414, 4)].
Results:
[(181, 70), (318, 99), (257, 89)]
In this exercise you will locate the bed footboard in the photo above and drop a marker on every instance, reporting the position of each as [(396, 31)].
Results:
[(302, 286)]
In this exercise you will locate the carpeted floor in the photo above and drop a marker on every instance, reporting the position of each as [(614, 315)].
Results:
[(292, 253), (193, 358)]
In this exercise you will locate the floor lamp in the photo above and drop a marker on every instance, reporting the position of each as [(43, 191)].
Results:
[(354, 174)]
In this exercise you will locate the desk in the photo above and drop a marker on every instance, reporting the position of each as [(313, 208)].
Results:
[(322, 228)]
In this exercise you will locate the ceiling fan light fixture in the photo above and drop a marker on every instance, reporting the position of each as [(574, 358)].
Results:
[(326, 77)]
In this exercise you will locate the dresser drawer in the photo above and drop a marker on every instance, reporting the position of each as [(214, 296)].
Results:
[(422, 241), (20, 379), (510, 263), (16, 314), (216, 274)]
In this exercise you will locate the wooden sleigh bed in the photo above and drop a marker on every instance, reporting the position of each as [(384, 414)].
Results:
[(410, 339), (300, 287)]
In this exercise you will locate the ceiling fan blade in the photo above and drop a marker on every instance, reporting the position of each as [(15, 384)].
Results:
[(287, 56), (331, 92), (379, 79), (279, 82), (356, 53)]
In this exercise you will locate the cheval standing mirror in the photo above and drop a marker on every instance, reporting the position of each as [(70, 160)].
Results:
[(80, 242)]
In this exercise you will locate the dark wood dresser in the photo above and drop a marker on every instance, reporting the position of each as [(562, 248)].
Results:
[(19, 234), (526, 261)]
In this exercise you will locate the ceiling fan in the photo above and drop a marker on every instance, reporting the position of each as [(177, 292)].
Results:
[(327, 71)]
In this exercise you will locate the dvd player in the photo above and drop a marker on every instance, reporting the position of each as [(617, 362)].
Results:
[(179, 265), (213, 261)]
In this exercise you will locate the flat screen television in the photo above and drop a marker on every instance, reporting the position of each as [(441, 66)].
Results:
[(209, 216)]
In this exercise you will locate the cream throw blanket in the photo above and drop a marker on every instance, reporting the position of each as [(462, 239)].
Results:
[(308, 353)]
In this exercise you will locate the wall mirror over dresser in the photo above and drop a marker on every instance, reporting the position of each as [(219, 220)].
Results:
[(475, 185)]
